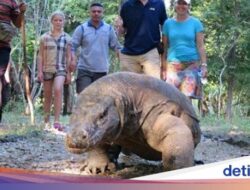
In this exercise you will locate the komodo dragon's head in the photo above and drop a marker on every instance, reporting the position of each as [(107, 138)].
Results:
[(94, 121)]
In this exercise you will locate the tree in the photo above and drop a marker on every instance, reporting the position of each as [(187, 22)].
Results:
[(227, 44)]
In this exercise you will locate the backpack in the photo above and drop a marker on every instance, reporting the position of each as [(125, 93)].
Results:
[(7, 32)]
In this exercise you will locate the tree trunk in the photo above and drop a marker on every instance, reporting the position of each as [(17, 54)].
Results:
[(26, 74), (231, 82), (68, 99)]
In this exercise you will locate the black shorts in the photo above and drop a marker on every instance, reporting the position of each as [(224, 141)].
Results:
[(4, 56)]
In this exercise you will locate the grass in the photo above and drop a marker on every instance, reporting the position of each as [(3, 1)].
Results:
[(240, 124), (18, 124)]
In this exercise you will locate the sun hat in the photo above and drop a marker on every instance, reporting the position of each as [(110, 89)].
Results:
[(187, 1)]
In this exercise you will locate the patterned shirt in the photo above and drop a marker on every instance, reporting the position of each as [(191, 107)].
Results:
[(9, 10), (55, 52)]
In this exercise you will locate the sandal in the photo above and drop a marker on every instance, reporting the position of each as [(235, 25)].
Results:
[(58, 126), (47, 126)]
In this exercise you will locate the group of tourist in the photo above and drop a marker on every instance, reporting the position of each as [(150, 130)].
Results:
[(171, 49)]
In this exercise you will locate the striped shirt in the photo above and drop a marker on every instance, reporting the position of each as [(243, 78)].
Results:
[(55, 52), (9, 11)]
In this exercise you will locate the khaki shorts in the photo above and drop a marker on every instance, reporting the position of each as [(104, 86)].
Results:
[(148, 63), (51, 76)]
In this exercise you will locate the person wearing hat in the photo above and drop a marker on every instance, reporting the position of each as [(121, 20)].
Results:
[(184, 57)]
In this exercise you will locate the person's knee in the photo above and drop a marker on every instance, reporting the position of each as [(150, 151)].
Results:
[(58, 90)]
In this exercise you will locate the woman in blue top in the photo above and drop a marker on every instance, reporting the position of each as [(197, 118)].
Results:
[(184, 55)]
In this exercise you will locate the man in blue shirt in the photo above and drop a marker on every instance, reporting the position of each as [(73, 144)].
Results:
[(95, 37), (140, 22)]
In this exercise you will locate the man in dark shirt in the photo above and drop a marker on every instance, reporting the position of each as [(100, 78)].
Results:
[(140, 23)]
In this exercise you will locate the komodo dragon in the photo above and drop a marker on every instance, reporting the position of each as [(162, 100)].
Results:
[(140, 113)]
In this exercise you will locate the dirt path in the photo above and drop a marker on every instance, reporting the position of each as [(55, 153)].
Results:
[(46, 152)]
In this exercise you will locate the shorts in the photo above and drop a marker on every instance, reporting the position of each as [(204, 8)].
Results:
[(5, 57), (148, 63), (51, 76), (185, 77)]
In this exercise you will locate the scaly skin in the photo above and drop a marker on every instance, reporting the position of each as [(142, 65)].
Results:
[(141, 114)]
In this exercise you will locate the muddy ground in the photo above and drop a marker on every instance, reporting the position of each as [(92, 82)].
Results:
[(45, 151)]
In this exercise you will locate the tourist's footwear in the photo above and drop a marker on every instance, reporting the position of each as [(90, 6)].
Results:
[(58, 126), (47, 126)]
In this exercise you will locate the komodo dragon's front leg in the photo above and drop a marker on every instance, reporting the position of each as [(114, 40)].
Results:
[(172, 137)]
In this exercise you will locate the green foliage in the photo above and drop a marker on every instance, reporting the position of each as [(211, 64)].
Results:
[(77, 11), (15, 131), (227, 31), (238, 123)]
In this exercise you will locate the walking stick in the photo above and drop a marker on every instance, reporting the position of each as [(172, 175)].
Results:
[(26, 71)]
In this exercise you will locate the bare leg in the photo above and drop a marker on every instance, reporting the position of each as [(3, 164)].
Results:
[(174, 140), (47, 91), (58, 88)]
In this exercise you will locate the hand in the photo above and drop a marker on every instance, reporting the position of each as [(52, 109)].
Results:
[(22, 7), (163, 74), (40, 76), (203, 71), (68, 78), (7, 77), (72, 66), (118, 23), (117, 52)]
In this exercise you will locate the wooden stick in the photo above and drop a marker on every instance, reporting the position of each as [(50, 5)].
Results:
[(26, 72)]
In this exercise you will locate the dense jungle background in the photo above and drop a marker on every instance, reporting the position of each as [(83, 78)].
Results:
[(224, 111), (227, 93)]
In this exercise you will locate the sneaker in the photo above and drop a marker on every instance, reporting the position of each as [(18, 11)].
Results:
[(47, 126), (58, 126)]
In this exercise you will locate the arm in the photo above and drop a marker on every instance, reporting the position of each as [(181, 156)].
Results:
[(7, 72), (40, 62), (69, 64), (202, 52), (163, 58)]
